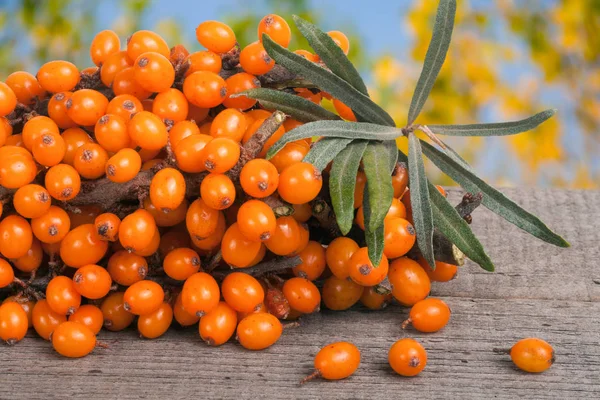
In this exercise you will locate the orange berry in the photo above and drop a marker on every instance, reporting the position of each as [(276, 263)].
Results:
[(116, 317), (92, 281), (62, 296), (182, 130), (336, 361), (407, 357), (255, 60), (45, 320), (362, 270), (143, 297), (308, 94), (443, 272), (341, 40), (237, 250), (13, 322), (337, 255), (308, 55), (8, 99), (428, 315), (49, 149), (146, 41), (300, 183), (200, 294), (36, 127), (340, 294), (123, 166), (124, 106), (183, 317), (217, 191), (7, 274), (373, 300), (148, 131), (259, 178), (52, 226), (58, 76), (344, 111), (31, 201), (127, 268), (276, 28), (6, 130), (242, 292), (90, 160), (532, 355), (112, 65), (31, 260), (111, 133), (270, 142), (17, 168), (181, 263), (125, 83), (74, 138), (82, 246), (63, 182), (16, 236), (313, 261), (188, 152), (256, 220), (218, 326), (220, 155), (259, 331), (302, 295), (215, 36), (154, 72), (86, 106), (400, 179), (201, 220), (410, 283), (229, 123), (25, 86), (73, 340), (136, 230), (57, 110), (90, 316), (292, 153), (167, 189), (203, 61), (285, 240), (399, 237), (302, 212), (104, 44), (204, 89), (155, 324), (238, 83), (170, 105)]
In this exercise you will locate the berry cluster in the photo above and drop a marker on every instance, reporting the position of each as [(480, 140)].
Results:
[(137, 191)]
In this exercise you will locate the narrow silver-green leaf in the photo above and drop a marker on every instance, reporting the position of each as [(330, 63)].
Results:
[(494, 129), (419, 199), (331, 54), (340, 129), (392, 149), (298, 107), (379, 185), (456, 229), (434, 59), (327, 81), (375, 242), (342, 181), (492, 198), (325, 150)]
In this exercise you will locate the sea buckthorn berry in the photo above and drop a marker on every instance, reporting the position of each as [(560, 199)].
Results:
[(116, 317), (205, 128), (125, 83), (58, 76), (340, 294), (229, 123), (441, 190), (154, 72), (7, 274), (217, 191), (146, 41), (255, 60), (242, 292), (178, 53), (399, 237), (373, 300), (148, 131), (259, 331), (136, 230), (220, 155), (277, 29), (204, 89), (25, 303), (62, 296), (63, 182), (74, 138), (73, 340), (300, 183), (15, 236), (259, 178), (82, 246), (362, 270), (155, 324), (238, 83), (89, 316), (407, 357), (8, 99), (31, 201), (338, 254), (183, 317), (57, 110), (218, 326), (203, 61), (410, 283), (25, 86), (335, 361), (123, 166), (237, 250), (201, 220), (171, 105), (125, 106), (113, 64), (6, 130), (200, 294), (313, 261), (197, 114), (286, 237), (215, 36), (167, 189), (292, 153), (49, 149), (13, 322), (173, 238), (343, 110), (400, 179), (86, 106), (36, 127), (396, 210), (262, 309), (181, 263), (104, 44), (45, 320), (14, 140), (143, 297), (188, 152), (31, 260), (127, 268), (256, 220), (90, 160), (171, 218), (532, 355), (428, 315), (302, 212), (304, 239), (17, 169), (253, 128), (182, 130), (52, 226), (312, 95), (341, 40), (92, 281), (291, 123), (111, 133), (308, 55), (302, 295), (443, 272)]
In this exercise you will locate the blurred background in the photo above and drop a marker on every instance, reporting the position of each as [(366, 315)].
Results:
[(508, 59)]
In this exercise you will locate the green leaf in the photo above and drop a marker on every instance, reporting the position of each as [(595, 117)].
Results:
[(434, 59), (331, 54), (494, 129), (327, 81), (375, 242), (298, 107), (419, 199), (392, 149), (342, 181), (456, 229), (493, 199), (450, 152), (340, 129), (379, 185), (325, 150)]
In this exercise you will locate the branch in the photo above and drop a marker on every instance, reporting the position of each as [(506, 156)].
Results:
[(279, 264)]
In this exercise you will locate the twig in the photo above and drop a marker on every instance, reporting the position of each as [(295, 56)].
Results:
[(267, 267)]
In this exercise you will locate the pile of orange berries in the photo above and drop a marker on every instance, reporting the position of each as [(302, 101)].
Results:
[(176, 258)]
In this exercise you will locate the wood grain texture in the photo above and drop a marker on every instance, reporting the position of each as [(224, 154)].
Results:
[(538, 290)]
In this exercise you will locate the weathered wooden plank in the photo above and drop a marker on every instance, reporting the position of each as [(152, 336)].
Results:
[(538, 291)]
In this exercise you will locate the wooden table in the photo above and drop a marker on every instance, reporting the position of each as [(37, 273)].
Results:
[(538, 290)]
